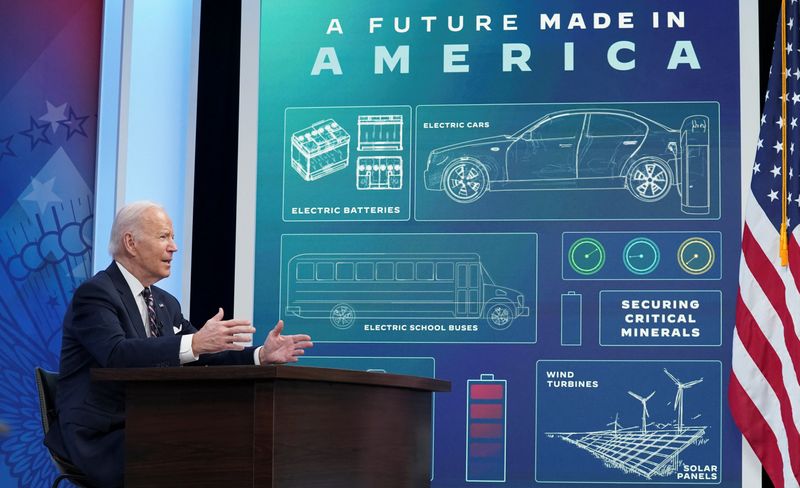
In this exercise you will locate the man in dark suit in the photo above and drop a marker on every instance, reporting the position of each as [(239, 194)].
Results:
[(117, 319)]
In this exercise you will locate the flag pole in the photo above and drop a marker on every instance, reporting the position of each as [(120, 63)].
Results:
[(784, 241)]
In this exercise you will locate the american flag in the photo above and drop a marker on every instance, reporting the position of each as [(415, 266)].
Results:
[(764, 393)]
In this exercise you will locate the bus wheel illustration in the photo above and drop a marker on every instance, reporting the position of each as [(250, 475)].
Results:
[(342, 316), (499, 316), (649, 179), (465, 180)]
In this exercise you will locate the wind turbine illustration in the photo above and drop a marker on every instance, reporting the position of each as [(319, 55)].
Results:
[(645, 413), (679, 396), (615, 423)]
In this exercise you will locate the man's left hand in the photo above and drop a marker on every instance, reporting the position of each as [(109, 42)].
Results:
[(283, 348)]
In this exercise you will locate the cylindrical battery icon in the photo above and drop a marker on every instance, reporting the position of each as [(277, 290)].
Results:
[(486, 429), (571, 318)]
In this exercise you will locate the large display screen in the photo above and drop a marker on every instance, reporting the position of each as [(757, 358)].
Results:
[(538, 201)]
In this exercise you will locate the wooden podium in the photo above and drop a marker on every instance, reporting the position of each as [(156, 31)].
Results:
[(275, 426)]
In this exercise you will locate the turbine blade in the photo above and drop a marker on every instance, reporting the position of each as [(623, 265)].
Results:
[(672, 377)]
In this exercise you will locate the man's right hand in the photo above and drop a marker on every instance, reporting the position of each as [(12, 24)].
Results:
[(220, 335)]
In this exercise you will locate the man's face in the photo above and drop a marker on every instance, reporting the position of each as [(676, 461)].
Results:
[(154, 245)]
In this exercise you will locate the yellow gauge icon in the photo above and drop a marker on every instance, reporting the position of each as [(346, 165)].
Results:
[(696, 255)]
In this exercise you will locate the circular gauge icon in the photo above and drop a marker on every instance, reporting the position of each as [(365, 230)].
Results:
[(695, 255), (641, 256), (586, 256)]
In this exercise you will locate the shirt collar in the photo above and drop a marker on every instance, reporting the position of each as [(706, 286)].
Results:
[(133, 283)]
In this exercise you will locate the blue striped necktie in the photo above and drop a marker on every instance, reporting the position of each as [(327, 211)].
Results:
[(152, 323)]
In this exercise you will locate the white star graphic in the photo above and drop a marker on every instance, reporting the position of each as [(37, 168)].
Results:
[(776, 171), (760, 143), (54, 115), (790, 24), (780, 122), (795, 98), (793, 123), (789, 44), (766, 96), (789, 198), (42, 193), (797, 72), (763, 119), (791, 148), (756, 168), (773, 195), (797, 200), (778, 147)]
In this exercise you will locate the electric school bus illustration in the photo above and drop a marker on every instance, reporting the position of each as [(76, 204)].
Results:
[(581, 149), (346, 287)]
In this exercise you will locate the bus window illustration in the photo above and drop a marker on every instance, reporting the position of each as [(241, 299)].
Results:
[(582, 150), (380, 132), (379, 173), (486, 429), (320, 149), (349, 286)]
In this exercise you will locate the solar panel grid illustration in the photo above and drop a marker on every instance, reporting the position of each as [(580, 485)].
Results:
[(647, 454)]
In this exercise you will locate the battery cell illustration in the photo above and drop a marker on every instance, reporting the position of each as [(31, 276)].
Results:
[(486, 429), (380, 132), (319, 150), (379, 173), (571, 304)]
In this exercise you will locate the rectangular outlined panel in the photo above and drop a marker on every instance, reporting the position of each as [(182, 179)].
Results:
[(661, 318), (641, 255), (459, 288), (621, 422), (593, 161), (333, 154)]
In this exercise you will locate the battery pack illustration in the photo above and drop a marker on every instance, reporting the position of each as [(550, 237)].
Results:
[(320, 149), (379, 173), (571, 318), (486, 429), (380, 132)]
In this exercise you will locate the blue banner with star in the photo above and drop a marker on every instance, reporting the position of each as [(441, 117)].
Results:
[(48, 101)]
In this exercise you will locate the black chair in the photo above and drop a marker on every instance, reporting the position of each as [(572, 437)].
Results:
[(46, 385)]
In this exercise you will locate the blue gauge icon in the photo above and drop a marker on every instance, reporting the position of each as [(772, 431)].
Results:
[(641, 256)]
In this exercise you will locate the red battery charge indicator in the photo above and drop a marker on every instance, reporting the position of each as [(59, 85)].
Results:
[(486, 429)]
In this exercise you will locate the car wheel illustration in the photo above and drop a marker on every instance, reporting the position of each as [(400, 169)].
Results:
[(649, 180), (342, 316), (465, 180), (499, 316)]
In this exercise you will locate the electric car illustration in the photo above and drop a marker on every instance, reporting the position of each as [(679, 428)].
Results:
[(581, 149)]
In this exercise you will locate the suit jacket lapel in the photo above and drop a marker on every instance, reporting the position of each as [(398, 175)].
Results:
[(124, 290)]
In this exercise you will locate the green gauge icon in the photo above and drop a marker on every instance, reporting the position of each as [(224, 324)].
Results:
[(695, 255), (586, 256), (641, 256)]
